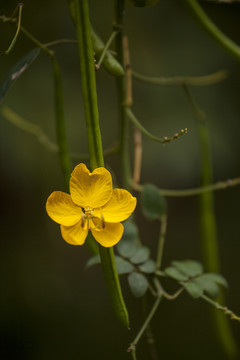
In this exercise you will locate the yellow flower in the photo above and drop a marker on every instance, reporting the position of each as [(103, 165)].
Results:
[(93, 205)]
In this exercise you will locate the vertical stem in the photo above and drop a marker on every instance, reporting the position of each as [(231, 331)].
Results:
[(88, 82), (145, 324), (210, 243), (161, 241), (149, 333), (124, 151), (60, 123), (208, 229)]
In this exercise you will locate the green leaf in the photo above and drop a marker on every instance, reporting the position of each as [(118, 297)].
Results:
[(94, 260), (17, 70), (141, 255), (153, 204), (130, 231), (207, 285), (148, 267), (217, 278), (123, 266), (128, 245), (175, 274), (188, 267), (194, 289), (138, 284)]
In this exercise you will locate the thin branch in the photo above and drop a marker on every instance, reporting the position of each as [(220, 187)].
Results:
[(27, 34), (195, 191), (61, 41), (20, 6), (222, 308), (106, 47), (224, 41), (164, 293), (132, 347), (163, 140)]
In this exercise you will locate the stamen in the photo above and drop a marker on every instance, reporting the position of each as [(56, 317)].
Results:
[(82, 220), (103, 221)]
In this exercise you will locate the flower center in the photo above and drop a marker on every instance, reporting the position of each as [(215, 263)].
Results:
[(87, 218)]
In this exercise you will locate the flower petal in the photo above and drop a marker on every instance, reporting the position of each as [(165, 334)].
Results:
[(118, 208), (109, 235), (90, 189), (62, 209), (74, 235)]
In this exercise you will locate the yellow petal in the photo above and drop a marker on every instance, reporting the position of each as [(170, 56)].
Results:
[(109, 235), (118, 208), (90, 189), (62, 209), (74, 235)]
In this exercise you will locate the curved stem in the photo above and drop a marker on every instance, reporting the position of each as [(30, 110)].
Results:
[(28, 35), (230, 46), (163, 140), (106, 47), (183, 80), (17, 31), (195, 191), (88, 82)]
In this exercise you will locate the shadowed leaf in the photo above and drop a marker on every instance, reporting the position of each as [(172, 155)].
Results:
[(153, 204), (138, 284), (17, 70), (123, 266)]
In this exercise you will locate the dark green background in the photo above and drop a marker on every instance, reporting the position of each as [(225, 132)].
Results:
[(51, 307)]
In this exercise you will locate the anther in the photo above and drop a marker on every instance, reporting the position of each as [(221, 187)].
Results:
[(103, 221), (82, 220)]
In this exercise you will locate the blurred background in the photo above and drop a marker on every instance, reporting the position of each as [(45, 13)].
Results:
[(51, 307)]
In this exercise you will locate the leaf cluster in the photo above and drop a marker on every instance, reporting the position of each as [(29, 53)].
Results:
[(191, 276)]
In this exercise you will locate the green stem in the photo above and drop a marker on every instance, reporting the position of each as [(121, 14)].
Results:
[(37, 42), (149, 333), (133, 353), (124, 140), (61, 41), (161, 241), (183, 80), (226, 43), (17, 31), (163, 140), (28, 35), (195, 191), (88, 82), (222, 308), (208, 228), (106, 47), (132, 346), (60, 124), (113, 285)]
